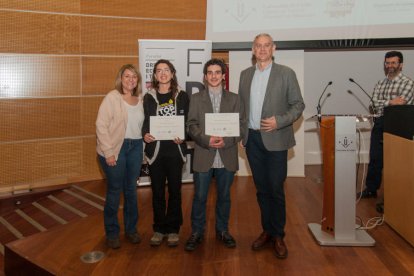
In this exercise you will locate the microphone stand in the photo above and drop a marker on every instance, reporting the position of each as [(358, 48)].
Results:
[(365, 92), (318, 107)]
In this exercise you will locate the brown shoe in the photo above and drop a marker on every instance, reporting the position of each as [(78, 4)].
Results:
[(261, 241), (280, 248), (113, 243)]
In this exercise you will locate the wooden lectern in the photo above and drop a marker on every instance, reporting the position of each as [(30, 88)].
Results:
[(398, 169), (338, 141)]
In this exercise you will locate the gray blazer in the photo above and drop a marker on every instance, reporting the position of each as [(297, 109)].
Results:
[(282, 100), (200, 104)]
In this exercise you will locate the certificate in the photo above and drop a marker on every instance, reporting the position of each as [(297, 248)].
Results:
[(167, 127), (223, 124)]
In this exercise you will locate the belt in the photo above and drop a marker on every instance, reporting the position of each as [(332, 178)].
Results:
[(254, 130)]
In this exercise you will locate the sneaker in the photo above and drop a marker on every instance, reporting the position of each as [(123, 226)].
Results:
[(173, 239), (367, 194), (192, 243), (113, 243), (156, 239), (133, 238), (226, 238)]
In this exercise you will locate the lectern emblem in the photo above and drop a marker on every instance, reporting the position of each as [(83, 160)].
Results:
[(345, 143)]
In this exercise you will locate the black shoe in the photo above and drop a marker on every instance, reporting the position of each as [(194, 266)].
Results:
[(113, 243), (367, 194), (192, 243), (226, 238), (380, 207), (133, 238)]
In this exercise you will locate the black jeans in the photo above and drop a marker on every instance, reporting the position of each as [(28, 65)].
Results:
[(167, 216), (376, 159)]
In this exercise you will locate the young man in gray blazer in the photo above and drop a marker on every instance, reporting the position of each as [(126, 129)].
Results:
[(271, 101), (213, 155)]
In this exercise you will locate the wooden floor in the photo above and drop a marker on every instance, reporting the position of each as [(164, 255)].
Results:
[(58, 250)]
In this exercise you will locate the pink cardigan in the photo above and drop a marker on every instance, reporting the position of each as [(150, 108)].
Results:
[(111, 125)]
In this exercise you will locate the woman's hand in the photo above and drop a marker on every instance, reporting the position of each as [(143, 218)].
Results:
[(111, 161), (178, 141), (148, 138)]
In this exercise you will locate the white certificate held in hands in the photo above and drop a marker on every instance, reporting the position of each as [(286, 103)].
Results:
[(223, 124), (167, 127)]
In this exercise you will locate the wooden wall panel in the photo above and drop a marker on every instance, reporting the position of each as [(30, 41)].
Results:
[(33, 162), (66, 6), (90, 165), (182, 9), (99, 73), (221, 55), (28, 119), (121, 35), (39, 76), (89, 111), (23, 32), (58, 59)]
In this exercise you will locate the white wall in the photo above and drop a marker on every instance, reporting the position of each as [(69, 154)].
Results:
[(365, 67)]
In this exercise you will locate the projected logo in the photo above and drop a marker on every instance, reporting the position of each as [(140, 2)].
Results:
[(240, 11), (339, 8)]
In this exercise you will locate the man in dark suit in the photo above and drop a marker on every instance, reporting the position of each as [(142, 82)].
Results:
[(270, 101), (213, 155)]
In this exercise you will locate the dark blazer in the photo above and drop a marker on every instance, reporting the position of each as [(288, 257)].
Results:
[(200, 104), (282, 100)]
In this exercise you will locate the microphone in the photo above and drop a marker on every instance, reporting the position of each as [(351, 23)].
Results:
[(365, 92), (318, 107)]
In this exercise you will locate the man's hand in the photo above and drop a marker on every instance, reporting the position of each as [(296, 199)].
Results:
[(268, 124), (216, 142), (398, 101)]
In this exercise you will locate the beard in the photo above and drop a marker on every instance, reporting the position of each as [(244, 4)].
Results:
[(391, 71)]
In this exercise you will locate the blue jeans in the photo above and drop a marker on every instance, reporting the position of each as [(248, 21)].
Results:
[(376, 159), (269, 169), (122, 178), (202, 180)]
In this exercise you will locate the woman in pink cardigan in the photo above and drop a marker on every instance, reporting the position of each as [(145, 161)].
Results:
[(119, 147)]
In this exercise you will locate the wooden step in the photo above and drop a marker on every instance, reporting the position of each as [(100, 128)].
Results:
[(47, 212)]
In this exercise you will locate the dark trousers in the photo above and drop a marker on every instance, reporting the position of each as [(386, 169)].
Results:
[(167, 216), (202, 181), (269, 169), (376, 159)]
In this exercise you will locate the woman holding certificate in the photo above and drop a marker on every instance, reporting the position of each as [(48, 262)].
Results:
[(165, 156), (119, 147)]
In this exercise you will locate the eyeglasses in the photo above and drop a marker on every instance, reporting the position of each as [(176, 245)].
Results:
[(391, 63)]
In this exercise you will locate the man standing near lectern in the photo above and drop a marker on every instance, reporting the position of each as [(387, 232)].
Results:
[(395, 89), (271, 102)]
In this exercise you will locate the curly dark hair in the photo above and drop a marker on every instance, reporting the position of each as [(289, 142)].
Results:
[(215, 61)]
